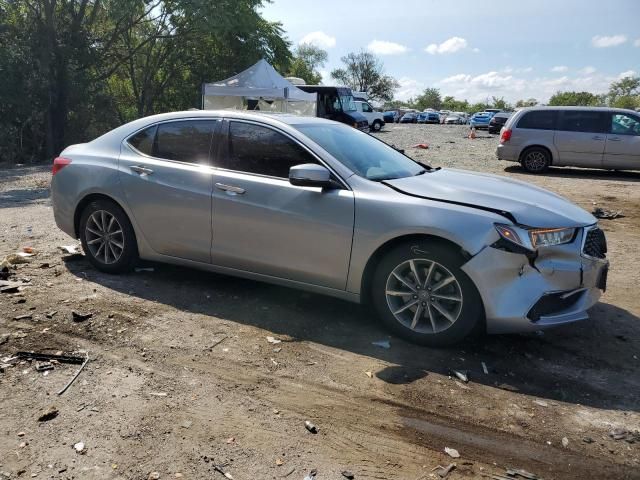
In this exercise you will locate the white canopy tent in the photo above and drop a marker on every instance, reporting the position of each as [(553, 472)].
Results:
[(259, 87)]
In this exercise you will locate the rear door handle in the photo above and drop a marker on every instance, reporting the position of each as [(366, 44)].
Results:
[(615, 139), (141, 170), (230, 189), (596, 137)]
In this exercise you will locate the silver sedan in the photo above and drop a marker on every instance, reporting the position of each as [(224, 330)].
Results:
[(317, 205)]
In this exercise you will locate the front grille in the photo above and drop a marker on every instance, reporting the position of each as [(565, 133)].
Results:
[(595, 244), (551, 304)]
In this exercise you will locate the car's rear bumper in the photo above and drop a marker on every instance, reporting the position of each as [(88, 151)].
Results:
[(507, 152), (558, 288)]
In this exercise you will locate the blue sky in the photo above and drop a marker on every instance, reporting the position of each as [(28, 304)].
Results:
[(474, 49)]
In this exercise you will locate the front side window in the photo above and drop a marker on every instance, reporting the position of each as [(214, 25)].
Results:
[(539, 120), (366, 108), (262, 150), (584, 121), (185, 141), (622, 124), (364, 154), (348, 103)]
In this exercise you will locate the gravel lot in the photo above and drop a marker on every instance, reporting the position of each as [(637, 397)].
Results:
[(182, 377)]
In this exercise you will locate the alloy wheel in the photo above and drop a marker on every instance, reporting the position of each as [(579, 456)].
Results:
[(536, 161), (424, 296), (104, 237)]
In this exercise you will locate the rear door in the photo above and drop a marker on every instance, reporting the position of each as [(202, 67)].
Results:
[(580, 138), (622, 150), (264, 224), (167, 178)]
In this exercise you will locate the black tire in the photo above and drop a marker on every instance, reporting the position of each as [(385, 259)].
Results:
[(535, 160), (129, 252), (376, 126), (471, 312)]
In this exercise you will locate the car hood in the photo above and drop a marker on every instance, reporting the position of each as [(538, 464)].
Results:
[(528, 205)]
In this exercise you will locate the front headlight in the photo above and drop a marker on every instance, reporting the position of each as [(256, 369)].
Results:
[(545, 237), (532, 238)]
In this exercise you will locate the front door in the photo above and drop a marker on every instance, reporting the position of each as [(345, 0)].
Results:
[(265, 225), (623, 142), (167, 177), (580, 137)]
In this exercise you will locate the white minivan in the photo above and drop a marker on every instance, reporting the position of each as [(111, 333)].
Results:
[(375, 119)]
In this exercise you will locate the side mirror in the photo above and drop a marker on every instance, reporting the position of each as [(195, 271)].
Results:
[(310, 175)]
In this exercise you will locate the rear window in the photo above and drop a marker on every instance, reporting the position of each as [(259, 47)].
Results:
[(539, 120), (582, 121)]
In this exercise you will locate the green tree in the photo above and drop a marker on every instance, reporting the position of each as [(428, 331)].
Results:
[(530, 102), (307, 58), (451, 103), (584, 99), (364, 72), (625, 93), (501, 103), (429, 98)]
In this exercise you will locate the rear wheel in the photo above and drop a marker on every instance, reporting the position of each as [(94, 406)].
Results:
[(535, 160), (420, 292), (107, 237)]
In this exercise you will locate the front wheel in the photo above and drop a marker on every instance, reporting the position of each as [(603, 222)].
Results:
[(107, 237), (376, 126), (420, 292)]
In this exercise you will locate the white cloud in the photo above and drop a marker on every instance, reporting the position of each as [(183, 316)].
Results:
[(409, 87), (628, 73), (475, 50), (560, 68), (319, 39), (381, 47), (637, 43), (460, 78), (451, 45), (587, 70), (602, 41)]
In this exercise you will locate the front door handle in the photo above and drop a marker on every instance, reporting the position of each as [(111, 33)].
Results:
[(230, 189), (615, 139), (141, 170), (596, 137)]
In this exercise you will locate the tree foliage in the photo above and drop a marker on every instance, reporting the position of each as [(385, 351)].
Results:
[(429, 98), (307, 58), (73, 69), (625, 93), (530, 102), (364, 72), (584, 99)]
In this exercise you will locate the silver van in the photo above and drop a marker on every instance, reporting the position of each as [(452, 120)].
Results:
[(591, 137)]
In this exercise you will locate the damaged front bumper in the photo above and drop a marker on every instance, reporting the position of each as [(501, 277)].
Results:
[(521, 295)]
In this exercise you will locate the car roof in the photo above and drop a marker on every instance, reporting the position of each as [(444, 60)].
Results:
[(550, 107)]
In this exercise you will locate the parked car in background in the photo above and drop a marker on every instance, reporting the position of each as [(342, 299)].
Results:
[(428, 117), (463, 116), (388, 116), (493, 110), (481, 119), (453, 119), (313, 204), (443, 115), (337, 103), (498, 121), (589, 137), (409, 117), (375, 119)]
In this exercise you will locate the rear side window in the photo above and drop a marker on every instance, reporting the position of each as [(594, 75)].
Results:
[(582, 121), (143, 140), (185, 141), (539, 120), (257, 149)]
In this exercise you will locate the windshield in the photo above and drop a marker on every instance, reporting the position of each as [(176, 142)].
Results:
[(348, 105), (367, 156)]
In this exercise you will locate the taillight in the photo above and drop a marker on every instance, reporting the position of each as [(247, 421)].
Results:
[(59, 163), (506, 136)]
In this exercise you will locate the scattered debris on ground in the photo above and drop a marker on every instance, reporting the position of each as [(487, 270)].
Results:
[(49, 414), (606, 214), (443, 472), (311, 427), (382, 343), (452, 452)]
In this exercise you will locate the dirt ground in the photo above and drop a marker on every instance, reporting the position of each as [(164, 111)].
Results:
[(181, 376)]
